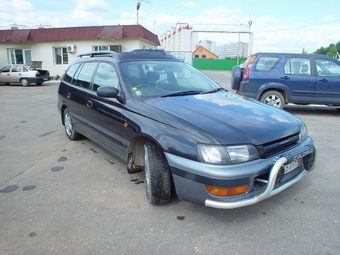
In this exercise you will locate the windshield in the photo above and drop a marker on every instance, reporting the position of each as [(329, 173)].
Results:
[(165, 78)]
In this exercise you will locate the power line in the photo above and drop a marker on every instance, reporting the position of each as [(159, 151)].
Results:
[(284, 29)]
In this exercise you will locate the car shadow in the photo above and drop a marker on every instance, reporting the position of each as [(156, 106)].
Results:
[(46, 83), (312, 110)]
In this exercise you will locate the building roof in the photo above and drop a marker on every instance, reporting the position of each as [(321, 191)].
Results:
[(78, 33), (200, 48)]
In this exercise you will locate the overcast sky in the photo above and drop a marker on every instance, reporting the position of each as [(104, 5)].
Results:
[(277, 26)]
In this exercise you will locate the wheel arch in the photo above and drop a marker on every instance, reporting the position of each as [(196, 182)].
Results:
[(62, 109), (136, 153), (267, 87)]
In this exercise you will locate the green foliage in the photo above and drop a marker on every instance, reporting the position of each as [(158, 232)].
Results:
[(331, 50)]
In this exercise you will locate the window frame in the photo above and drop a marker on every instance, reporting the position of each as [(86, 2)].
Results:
[(25, 56), (296, 69), (63, 55)]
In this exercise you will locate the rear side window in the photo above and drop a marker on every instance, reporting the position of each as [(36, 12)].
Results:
[(265, 64), (297, 66), (85, 75), (70, 73)]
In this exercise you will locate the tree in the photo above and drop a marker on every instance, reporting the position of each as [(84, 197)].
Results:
[(332, 50)]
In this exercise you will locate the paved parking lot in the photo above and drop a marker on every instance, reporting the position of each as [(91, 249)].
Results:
[(63, 197)]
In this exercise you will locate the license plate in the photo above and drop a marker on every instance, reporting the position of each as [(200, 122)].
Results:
[(290, 167), (45, 79)]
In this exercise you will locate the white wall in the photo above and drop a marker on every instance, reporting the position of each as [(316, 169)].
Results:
[(44, 51)]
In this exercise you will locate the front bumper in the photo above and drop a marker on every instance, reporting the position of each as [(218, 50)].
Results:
[(191, 177)]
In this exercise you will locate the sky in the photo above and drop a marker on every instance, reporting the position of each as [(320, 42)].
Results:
[(276, 26)]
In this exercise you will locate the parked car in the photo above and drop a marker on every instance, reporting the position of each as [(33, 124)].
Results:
[(164, 117), (23, 74), (280, 78)]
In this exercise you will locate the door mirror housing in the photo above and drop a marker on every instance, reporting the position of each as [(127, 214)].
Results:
[(110, 92)]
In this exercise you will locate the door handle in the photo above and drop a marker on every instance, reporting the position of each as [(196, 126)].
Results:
[(284, 78), (323, 80), (68, 95), (89, 104)]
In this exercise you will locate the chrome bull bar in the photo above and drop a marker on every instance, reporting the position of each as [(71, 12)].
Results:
[(270, 191)]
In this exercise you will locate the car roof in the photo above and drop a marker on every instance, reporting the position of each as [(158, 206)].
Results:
[(290, 54)]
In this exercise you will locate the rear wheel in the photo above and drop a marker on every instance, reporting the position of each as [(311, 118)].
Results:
[(69, 129), (273, 98), (39, 83), (24, 82), (157, 175)]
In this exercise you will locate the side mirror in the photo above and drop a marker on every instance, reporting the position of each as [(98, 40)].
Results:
[(109, 92)]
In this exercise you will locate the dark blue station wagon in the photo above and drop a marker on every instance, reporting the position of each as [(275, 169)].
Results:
[(188, 134)]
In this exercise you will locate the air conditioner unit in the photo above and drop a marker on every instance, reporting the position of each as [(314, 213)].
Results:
[(71, 48)]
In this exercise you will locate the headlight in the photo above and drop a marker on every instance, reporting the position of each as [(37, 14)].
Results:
[(226, 155), (303, 133), (243, 153)]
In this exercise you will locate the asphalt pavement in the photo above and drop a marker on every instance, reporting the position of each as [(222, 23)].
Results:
[(64, 197)]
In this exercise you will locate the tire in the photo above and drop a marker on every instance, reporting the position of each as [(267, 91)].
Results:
[(24, 82), (69, 129), (39, 83), (273, 98), (157, 175), (236, 77)]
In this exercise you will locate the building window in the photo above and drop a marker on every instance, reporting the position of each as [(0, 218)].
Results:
[(61, 56), (115, 48), (20, 56), (204, 56)]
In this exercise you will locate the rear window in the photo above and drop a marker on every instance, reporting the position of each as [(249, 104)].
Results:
[(265, 64)]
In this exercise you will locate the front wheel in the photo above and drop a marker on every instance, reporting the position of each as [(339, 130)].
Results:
[(69, 129), (157, 175), (273, 98)]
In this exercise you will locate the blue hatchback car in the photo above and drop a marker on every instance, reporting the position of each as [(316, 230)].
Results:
[(280, 78), (188, 134)]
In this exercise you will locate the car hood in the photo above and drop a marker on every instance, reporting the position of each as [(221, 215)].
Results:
[(230, 118)]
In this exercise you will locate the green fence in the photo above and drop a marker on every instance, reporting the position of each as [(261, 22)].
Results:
[(216, 64)]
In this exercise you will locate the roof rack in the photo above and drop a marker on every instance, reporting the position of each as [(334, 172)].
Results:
[(149, 51), (98, 54)]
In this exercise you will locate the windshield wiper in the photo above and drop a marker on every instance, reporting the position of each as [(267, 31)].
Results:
[(184, 93), (213, 91)]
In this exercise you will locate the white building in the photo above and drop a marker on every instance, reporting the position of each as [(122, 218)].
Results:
[(232, 50), (209, 45), (56, 48), (180, 41)]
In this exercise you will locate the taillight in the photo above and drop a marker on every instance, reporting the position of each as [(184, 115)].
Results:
[(37, 74), (246, 70)]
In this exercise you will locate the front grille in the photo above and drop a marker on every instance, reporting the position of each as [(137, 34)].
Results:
[(279, 146)]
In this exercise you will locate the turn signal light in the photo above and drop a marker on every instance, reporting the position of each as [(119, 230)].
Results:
[(227, 192)]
